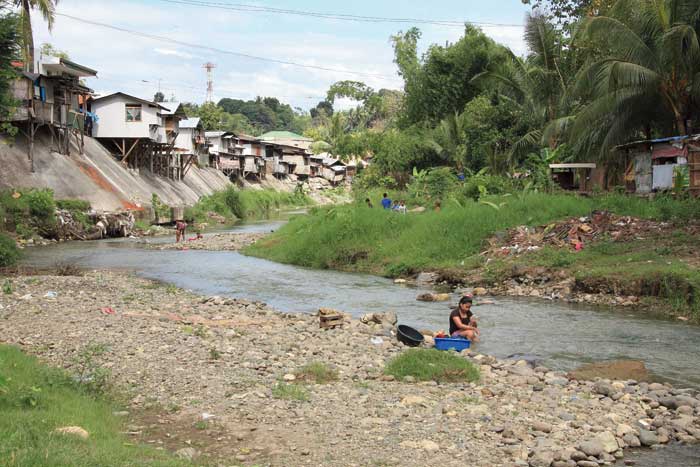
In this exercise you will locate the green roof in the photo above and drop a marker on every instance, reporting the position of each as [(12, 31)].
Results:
[(270, 135)]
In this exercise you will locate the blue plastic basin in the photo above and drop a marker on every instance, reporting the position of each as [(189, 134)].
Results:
[(452, 343)]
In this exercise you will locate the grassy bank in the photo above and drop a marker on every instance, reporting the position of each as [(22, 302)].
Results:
[(36, 400), (244, 204), (357, 238)]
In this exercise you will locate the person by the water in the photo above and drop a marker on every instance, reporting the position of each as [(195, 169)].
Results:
[(462, 322), (180, 227), (386, 201)]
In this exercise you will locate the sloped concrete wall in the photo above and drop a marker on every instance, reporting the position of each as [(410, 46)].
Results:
[(98, 178)]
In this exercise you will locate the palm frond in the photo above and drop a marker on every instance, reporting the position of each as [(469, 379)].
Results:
[(624, 43)]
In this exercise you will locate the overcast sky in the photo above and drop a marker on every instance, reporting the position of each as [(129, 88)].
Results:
[(134, 64)]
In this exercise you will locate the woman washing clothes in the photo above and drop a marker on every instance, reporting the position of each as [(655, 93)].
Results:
[(462, 321)]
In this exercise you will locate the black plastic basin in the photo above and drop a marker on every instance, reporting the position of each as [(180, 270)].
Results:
[(409, 336)]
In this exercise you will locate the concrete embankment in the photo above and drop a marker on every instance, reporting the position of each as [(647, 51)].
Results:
[(97, 177)]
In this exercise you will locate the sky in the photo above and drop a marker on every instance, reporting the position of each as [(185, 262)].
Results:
[(352, 50)]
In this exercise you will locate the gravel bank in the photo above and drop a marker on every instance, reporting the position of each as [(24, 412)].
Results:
[(216, 242), (208, 366)]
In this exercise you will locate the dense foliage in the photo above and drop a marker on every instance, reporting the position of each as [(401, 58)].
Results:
[(252, 117), (9, 51), (233, 203), (597, 73)]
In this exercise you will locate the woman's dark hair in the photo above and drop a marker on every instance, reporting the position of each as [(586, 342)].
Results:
[(465, 299)]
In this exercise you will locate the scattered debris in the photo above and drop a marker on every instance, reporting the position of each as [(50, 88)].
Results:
[(575, 233)]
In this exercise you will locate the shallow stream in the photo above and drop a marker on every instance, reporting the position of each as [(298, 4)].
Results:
[(559, 335)]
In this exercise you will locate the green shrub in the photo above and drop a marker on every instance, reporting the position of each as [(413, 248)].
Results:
[(73, 205), (233, 203), (432, 184), (28, 212), (479, 185), (9, 253), (432, 365)]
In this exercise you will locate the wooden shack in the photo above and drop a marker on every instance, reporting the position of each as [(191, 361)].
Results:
[(53, 97), (572, 176)]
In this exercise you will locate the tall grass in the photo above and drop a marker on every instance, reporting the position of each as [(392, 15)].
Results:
[(233, 203), (35, 400), (360, 238), (374, 240)]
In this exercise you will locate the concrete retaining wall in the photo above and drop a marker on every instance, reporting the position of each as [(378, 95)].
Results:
[(98, 178)]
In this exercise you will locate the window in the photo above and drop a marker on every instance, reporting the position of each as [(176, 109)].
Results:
[(133, 112)]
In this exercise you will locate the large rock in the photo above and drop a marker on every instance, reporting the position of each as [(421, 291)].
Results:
[(433, 297), (593, 447), (648, 438), (609, 442), (631, 440), (603, 388), (426, 278), (541, 458), (541, 426)]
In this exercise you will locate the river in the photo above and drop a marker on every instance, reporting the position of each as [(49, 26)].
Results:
[(560, 335)]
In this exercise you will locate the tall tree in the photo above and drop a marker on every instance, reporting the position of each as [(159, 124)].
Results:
[(439, 83), (648, 77), (47, 8), (158, 97), (9, 51)]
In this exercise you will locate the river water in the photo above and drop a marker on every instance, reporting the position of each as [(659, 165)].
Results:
[(559, 335)]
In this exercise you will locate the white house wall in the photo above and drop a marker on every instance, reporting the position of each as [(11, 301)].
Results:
[(185, 140), (112, 119)]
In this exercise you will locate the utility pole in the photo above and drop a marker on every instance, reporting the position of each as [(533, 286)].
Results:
[(209, 66)]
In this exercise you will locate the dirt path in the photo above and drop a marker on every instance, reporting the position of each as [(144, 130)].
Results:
[(200, 373)]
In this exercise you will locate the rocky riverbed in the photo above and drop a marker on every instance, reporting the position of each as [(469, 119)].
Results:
[(203, 378), (216, 242)]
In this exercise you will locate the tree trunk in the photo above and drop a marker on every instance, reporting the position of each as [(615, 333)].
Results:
[(28, 37), (680, 124)]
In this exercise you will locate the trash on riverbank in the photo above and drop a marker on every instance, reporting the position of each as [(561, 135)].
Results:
[(574, 233)]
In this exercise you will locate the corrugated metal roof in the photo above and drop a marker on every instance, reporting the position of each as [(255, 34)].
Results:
[(130, 97), (171, 108), (190, 122), (214, 134), (271, 135), (584, 165)]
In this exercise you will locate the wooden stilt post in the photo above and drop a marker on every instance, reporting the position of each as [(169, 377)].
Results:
[(32, 132)]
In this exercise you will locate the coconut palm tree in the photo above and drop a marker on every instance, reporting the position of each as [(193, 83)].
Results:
[(537, 83), (47, 8), (648, 76)]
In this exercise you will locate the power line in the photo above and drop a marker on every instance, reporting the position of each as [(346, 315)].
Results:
[(221, 51), (334, 16)]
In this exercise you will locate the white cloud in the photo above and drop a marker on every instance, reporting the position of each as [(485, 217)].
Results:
[(135, 64), (175, 53)]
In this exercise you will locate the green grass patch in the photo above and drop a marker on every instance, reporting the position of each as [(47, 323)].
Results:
[(36, 399), (292, 392), (9, 253), (233, 203), (316, 372), (432, 365)]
